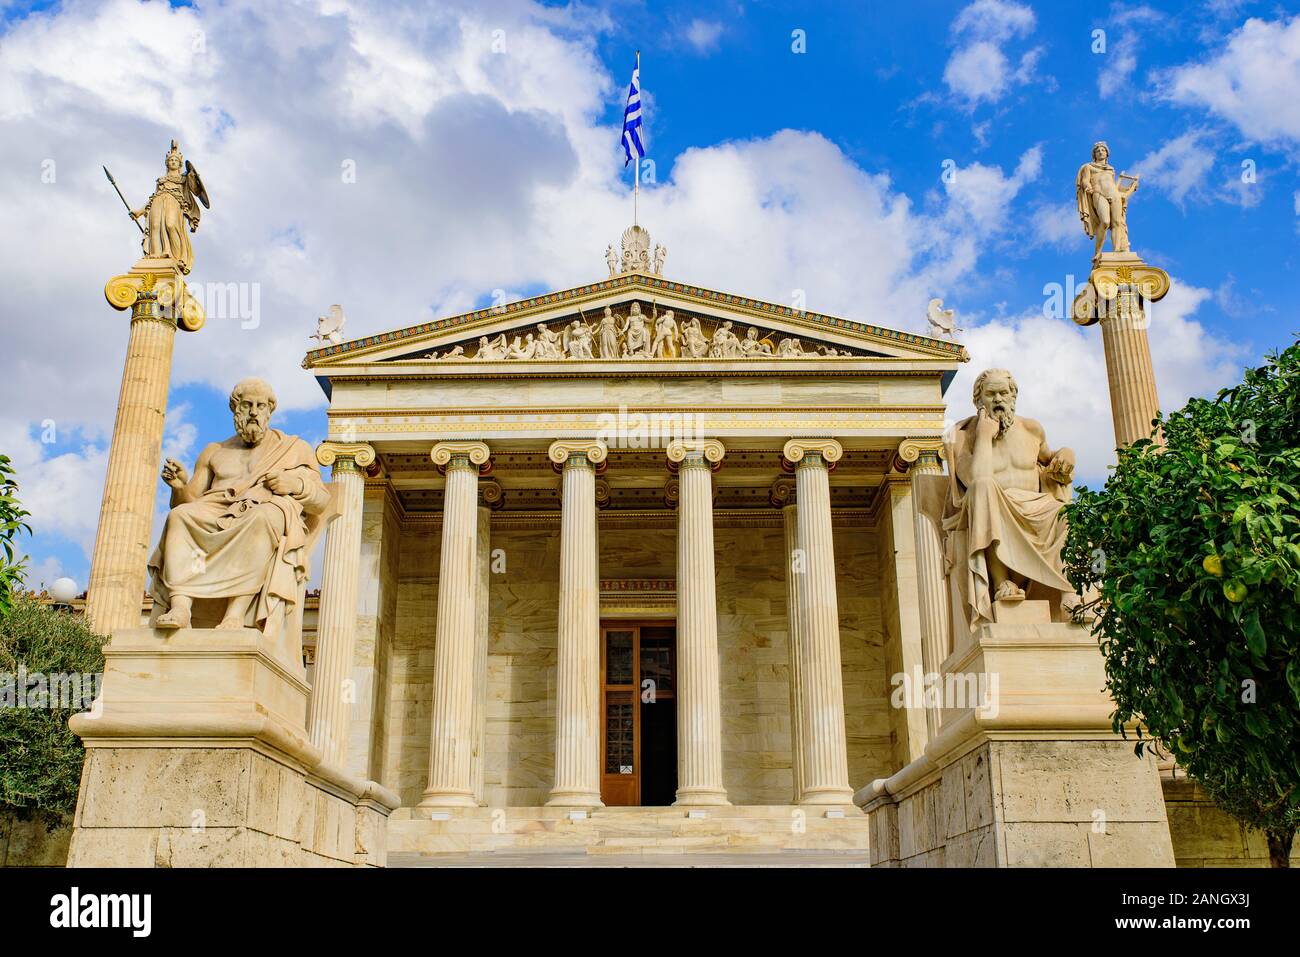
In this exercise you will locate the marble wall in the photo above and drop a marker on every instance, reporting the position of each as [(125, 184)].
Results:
[(519, 755)]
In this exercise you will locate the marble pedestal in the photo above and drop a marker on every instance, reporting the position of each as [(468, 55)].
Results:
[(197, 754), (1034, 778)]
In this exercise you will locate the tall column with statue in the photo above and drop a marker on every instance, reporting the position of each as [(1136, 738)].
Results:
[(1116, 295), (155, 293)]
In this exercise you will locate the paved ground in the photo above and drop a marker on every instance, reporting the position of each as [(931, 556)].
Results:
[(583, 859)]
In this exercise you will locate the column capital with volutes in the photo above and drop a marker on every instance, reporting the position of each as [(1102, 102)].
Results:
[(699, 453), (345, 455), (921, 455), (812, 451), (577, 453), (460, 455)]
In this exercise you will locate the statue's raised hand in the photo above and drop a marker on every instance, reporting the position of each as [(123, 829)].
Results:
[(175, 474), (986, 427)]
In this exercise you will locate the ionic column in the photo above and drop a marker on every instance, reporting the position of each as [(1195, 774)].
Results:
[(825, 766), (451, 781), (118, 566), (577, 666), (491, 498), (783, 497), (1133, 400), (932, 584), (699, 700), (1118, 289), (333, 690)]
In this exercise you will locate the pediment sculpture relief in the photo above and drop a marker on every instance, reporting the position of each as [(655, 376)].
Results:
[(637, 336)]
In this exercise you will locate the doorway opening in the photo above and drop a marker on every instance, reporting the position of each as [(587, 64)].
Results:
[(638, 709)]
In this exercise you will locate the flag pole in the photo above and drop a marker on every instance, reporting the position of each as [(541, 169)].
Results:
[(636, 173)]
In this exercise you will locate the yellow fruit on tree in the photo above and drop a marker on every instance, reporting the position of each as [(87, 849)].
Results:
[(1234, 591)]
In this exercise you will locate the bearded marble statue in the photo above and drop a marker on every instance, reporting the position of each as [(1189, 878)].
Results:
[(234, 548), (1006, 490)]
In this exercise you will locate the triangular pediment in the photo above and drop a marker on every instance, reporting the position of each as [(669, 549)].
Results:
[(571, 326)]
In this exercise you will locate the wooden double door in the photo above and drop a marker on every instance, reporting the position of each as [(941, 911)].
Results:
[(638, 707)]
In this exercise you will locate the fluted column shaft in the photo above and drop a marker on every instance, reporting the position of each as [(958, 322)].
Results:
[(825, 768), (795, 571), (452, 734), (699, 700), (481, 634), (118, 567), (931, 583), (1133, 399), (333, 690), (577, 685)]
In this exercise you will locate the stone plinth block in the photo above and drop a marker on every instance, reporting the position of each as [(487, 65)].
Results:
[(197, 755), (1025, 770)]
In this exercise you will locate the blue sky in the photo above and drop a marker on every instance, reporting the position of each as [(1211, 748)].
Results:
[(485, 142)]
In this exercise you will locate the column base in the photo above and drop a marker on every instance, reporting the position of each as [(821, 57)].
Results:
[(701, 797), (574, 799), (449, 799), (827, 796)]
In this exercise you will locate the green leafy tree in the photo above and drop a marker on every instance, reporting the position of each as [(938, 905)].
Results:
[(40, 759), (11, 524), (1194, 551)]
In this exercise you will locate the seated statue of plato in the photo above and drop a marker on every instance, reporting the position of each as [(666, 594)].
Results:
[(236, 539), (1006, 491)]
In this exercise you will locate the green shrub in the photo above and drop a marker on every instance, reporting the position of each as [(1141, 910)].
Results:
[(40, 759), (11, 523), (1194, 549)]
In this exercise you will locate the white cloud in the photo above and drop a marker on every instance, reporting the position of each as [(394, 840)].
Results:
[(996, 20), (979, 69), (1117, 64), (1250, 82), (984, 192), (1179, 167), (1057, 225), (703, 35), (1064, 386)]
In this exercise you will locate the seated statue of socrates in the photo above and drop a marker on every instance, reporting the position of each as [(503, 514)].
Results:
[(237, 533), (1006, 492)]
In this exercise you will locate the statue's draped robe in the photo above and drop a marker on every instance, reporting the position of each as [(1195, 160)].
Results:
[(239, 539), (165, 233), (1025, 529)]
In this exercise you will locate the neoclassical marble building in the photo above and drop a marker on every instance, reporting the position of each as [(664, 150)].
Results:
[(629, 545)]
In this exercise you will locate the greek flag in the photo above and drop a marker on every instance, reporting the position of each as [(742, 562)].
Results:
[(632, 119)]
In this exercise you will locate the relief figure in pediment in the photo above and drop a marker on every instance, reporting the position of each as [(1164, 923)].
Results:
[(578, 340), (608, 332), (548, 343), (526, 350), (725, 344), (751, 345), (636, 335), (696, 344), (492, 348), (667, 337)]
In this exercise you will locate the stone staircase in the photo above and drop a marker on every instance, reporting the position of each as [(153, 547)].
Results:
[(624, 831)]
